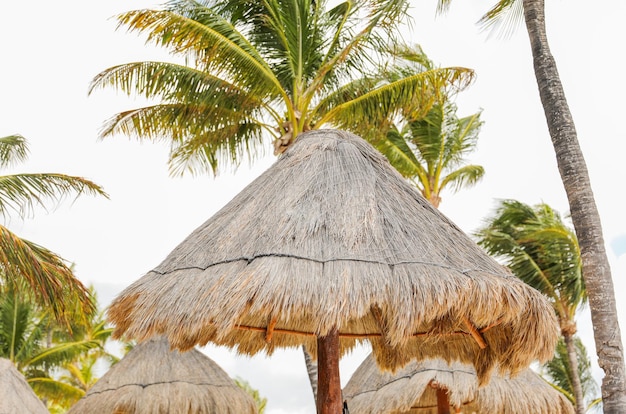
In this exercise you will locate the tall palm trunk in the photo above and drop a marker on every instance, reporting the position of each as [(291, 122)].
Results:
[(568, 330), (584, 213), (311, 369)]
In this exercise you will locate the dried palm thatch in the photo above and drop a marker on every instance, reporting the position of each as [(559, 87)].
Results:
[(153, 379), (16, 396), (332, 237), (412, 390)]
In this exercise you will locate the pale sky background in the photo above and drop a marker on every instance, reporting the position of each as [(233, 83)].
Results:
[(51, 50)]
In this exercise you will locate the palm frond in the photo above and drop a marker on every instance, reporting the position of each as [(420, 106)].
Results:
[(421, 90), (502, 245), (465, 176), (216, 146), (342, 95), (396, 149), (292, 41), (192, 30), (503, 18), (197, 135), (559, 374), (62, 353), (55, 391), (384, 18), (461, 136), (51, 282), (15, 325), (429, 133), (22, 192), (13, 149), (538, 247), (414, 57), (170, 81), (363, 32)]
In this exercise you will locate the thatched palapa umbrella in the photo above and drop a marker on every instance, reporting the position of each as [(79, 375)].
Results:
[(16, 396), (154, 379), (431, 386), (330, 247)]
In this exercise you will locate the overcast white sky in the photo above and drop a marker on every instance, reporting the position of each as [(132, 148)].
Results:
[(51, 50)]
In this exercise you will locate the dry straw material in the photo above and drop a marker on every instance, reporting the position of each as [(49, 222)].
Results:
[(331, 236), (412, 390), (16, 396), (153, 379)]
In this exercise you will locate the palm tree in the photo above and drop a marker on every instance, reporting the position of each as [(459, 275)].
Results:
[(57, 361), (78, 375), (271, 68), (427, 147), (558, 373), (24, 339), (260, 401), (430, 151), (584, 212), (542, 251), (25, 265)]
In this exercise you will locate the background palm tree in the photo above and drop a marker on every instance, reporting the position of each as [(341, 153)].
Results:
[(430, 151), (25, 333), (271, 68), (76, 376), (558, 372), (575, 177), (58, 362), (25, 265), (260, 401), (428, 148), (542, 251)]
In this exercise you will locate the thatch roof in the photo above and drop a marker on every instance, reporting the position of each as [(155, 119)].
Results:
[(151, 379), (332, 236), (16, 396), (409, 390)]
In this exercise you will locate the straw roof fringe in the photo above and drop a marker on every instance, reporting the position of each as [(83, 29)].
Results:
[(332, 236), (16, 396), (408, 391), (153, 379)]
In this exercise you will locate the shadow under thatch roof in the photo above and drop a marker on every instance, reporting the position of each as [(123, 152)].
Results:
[(151, 379), (332, 242), (414, 388), (16, 396)]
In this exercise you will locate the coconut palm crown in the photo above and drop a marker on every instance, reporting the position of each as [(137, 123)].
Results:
[(258, 69), (429, 148), (27, 266), (542, 251)]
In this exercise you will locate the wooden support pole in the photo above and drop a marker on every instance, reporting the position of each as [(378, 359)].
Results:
[(328, 381), (443, 402)]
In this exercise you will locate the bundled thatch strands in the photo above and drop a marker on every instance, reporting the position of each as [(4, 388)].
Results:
[(332, 241), (16, 396), (153, 379), (415, 388)]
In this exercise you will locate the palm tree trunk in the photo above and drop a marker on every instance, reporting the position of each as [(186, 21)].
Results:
[(572, 358), (584, 213), (311, 369)]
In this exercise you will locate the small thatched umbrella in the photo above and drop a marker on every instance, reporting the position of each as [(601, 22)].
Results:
[(16, 396), (424, 387), (330, 247), (152, 378)]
